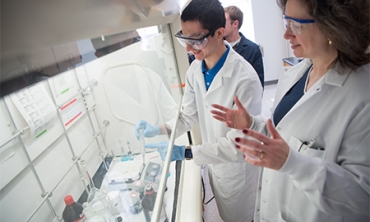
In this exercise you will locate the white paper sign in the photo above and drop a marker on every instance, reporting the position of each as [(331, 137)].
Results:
[(71, 112), (36, 107)]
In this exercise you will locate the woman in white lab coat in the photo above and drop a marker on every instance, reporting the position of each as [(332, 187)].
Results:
[(315, 149)]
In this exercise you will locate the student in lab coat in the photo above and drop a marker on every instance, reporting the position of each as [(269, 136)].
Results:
[(216, 76), (315, 149)]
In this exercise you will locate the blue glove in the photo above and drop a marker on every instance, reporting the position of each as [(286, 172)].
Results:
[(178, 152), (149, 130)]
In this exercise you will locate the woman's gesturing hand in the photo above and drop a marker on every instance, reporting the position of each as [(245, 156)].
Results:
[(264, 151), (237, 119)]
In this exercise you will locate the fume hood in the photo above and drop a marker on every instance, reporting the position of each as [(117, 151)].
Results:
[(75, 78)]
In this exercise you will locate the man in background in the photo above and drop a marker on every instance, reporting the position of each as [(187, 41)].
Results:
[(246, 48)]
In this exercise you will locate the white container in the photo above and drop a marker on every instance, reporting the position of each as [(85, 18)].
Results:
[(116, 202)]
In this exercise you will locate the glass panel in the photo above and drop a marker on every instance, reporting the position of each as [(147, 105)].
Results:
[(137, 80), (117, 79)]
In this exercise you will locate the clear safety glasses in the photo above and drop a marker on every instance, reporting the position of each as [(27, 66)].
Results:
[(295, 25), (194, 41)]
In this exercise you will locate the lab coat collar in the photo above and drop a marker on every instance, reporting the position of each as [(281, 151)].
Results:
[(335, 76), (225, 71), (295, 73)]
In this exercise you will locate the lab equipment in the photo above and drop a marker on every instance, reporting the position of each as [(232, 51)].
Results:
[(73, 210), (152, 172), (128, 156), (97, 200), (142, 143), (134, 202), (116, 202), (148, 204), (138, 187), (90, 215), (149, 130), (178, 152), (120, 144), (125, 171)]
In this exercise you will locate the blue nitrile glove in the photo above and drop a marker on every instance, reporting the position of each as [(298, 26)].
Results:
[(178, 152), (149, 130)]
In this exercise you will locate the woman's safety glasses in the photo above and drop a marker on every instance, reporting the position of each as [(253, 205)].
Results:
[(295, 25), (196, 42)]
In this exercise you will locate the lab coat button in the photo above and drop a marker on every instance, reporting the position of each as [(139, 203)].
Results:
[(260, 188), (258, 210), (266, 181), (317, 89), (279, 128), (264, 201)]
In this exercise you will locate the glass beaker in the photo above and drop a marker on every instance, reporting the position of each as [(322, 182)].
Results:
[(97, 199)]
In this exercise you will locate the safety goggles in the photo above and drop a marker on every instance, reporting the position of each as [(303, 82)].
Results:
[(295, 25), (194, 41)]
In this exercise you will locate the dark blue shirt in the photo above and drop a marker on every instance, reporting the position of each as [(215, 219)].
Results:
[(209, 75), (290, 98), (252, 53)]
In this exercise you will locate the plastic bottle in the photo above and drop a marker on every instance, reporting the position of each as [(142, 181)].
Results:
[(148, 204), (73, 210)]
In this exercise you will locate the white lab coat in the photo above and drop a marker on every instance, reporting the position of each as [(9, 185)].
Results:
[(234, 183), (331, 180)]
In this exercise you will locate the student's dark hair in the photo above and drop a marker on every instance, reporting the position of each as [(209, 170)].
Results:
[(346, 23), (209, 13)]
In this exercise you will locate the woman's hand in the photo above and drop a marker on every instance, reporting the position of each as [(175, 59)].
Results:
[(266, 152), (237, 119)]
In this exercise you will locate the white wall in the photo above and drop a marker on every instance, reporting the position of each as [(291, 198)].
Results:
[(262, 24), (269, 30)]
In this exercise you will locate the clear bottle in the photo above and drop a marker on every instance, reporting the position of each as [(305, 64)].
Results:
[(90, 214), (148, 204), (97, 199), (73, 211)]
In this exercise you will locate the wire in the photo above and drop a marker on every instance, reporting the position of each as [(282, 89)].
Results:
[(210, 200), (204, 194)]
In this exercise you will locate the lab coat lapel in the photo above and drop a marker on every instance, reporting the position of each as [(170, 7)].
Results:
[(293, 73), (200, 79), (225, 71), (216, 83), (330, 78)]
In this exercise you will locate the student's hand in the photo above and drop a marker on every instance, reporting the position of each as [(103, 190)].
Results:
[(237, 119), (178, 152), (149, 130)]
